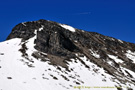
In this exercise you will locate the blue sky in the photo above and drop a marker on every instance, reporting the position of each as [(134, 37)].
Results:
[(115, 18)]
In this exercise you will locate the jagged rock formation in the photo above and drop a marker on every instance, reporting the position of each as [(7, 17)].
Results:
[(63, 46)]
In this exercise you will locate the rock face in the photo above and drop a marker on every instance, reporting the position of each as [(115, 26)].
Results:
[(57, 40), (62, 43), (51, 39)]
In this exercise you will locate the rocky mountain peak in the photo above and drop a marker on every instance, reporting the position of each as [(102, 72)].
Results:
[(63, 43), (56, 38), (50, 36)]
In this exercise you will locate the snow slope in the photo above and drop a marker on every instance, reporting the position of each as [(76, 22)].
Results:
[(19, 73)]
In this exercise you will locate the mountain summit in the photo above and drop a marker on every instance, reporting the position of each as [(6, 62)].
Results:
[(45, 55)]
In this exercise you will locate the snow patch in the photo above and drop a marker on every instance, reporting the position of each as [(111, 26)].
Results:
[(131, 72), (110, 62), (55, 32), (120, 40), (82, 30), (115, 58), (70, 28), (42, 27), (131, 55), (113, 39), (94, 53), (24, 24)]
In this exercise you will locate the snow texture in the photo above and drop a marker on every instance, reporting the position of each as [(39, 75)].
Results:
[(94, 53), (67, 27), (40, 29), (115, 58), (131, 55), (19, 73)]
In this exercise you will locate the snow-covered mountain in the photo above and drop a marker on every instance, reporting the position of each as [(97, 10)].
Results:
[(45, 55)]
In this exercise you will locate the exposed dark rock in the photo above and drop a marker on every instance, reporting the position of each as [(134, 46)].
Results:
[(54, 77), (1, 53), (65, 77), (9, 77), (23, 50)]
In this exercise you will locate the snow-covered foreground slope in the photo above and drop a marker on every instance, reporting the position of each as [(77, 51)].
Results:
[(19, 73)]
